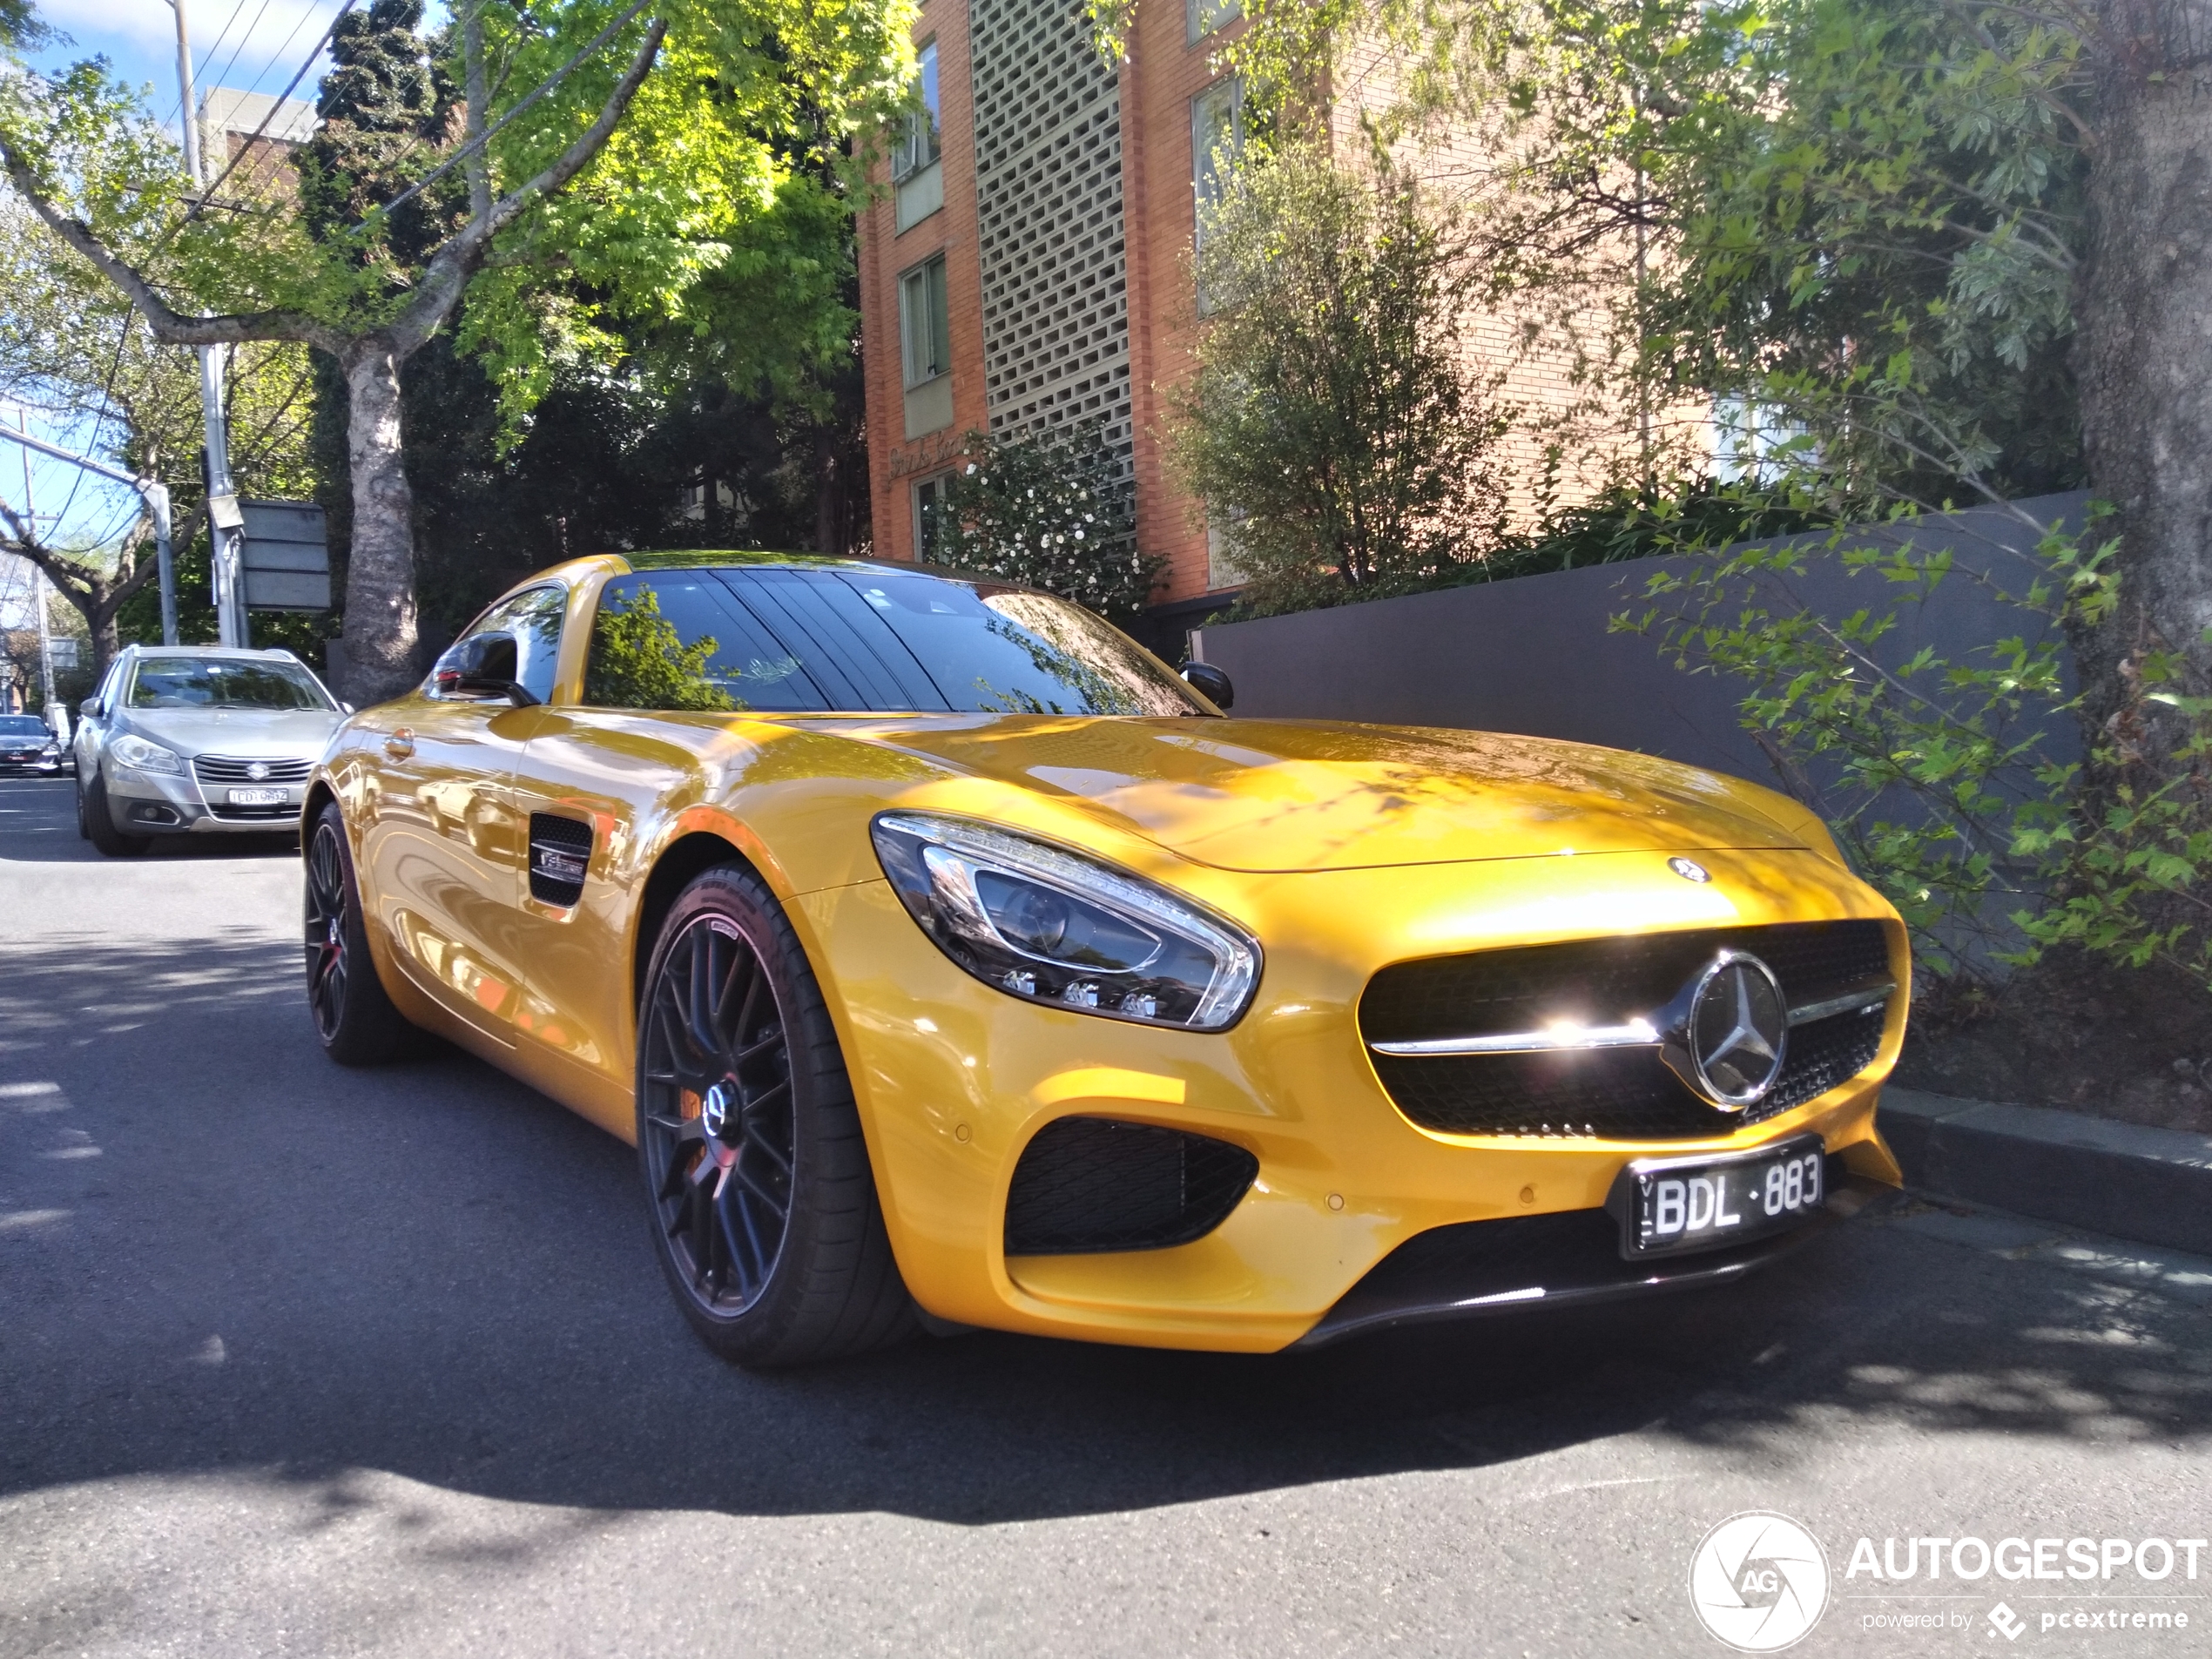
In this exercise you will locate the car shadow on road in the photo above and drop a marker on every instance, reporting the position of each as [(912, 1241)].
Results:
[(219, 1251)]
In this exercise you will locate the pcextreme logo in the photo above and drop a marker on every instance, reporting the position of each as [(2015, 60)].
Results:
[(1759, 1582)]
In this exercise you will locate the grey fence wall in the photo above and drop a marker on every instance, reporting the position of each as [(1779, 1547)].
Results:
[(1533, 655)]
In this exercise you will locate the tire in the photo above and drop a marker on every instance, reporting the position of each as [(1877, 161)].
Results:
[(765, 1215), (354, 1016), (98, 825)]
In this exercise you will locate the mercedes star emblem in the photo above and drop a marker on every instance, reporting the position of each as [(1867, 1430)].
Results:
[(1729, 1031), (718, 1110)]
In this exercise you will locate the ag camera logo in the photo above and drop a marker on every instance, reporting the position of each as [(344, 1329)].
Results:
[(1759, 1582)]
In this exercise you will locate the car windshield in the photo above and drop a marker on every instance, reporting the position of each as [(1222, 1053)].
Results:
[(222, 683), (776, 639), (22, 726)]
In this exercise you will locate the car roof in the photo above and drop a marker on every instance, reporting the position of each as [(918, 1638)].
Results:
[(245, 653), (755, 558)]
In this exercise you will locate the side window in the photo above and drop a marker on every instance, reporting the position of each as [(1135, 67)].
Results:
[(534, 617), (923, 327), (680, 640)]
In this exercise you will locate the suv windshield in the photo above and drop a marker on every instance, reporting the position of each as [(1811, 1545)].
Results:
[(776, 639), (222, 683), (22, 725)]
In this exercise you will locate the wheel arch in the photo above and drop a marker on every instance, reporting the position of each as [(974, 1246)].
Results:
[(686, 857)]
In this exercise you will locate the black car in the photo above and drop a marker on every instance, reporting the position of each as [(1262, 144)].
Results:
[(27, 745)]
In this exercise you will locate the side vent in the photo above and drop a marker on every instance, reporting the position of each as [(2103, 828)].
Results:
[(560, 854), (1087, 1185)]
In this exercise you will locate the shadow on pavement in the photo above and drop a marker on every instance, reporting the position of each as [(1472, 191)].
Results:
[(219, 1251), (39, 825)]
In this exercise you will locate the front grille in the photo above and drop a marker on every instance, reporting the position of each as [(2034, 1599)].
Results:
[(1618, 1093), (1086, 1185), (230, 769)]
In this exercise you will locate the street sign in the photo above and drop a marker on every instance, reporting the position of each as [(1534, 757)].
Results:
[(285, 556)]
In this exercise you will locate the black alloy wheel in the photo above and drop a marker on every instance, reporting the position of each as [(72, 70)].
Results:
[(354, 1016), (719, 1111), (765, 1213)]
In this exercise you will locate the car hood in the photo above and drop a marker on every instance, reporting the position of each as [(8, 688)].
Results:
[(244, 733), (1267, 796)]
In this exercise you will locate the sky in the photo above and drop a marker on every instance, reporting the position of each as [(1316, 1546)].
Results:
[(254, 45)]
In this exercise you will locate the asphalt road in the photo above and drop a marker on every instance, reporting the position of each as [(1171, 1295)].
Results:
[(296, 1360)]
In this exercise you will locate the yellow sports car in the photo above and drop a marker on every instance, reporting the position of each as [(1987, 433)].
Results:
[(951, 961)]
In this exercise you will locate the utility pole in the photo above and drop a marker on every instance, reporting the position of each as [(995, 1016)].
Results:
[(37, 583), (225, 526)]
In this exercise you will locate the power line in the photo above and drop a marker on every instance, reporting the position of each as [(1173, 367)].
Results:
[(260, 131), (217, 76)]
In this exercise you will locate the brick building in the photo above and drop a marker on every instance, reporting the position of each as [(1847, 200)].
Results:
[(258, 134), (1028, 265)]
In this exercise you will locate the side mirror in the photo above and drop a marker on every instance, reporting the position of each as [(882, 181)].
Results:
[(483, 665), (346, 708), (1210, 682), (89, 709)]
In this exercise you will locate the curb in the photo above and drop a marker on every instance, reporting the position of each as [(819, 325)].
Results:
[(2132, 1181)]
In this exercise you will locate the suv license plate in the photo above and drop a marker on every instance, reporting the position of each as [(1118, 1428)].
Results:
[(260, 797), (1681, 1204)]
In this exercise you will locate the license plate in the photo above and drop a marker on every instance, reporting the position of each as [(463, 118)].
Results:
[(260, 797), (1680, 1204)]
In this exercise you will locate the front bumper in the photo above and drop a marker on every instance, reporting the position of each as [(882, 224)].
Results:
[(955, 1078), (143, 803)]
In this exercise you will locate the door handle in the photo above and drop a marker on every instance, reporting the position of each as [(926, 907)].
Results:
[(401, 744)]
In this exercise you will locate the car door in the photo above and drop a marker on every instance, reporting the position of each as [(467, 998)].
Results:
[(592, 772), (443, 846)]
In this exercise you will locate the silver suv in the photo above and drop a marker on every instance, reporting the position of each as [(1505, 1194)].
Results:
[(184, 739)]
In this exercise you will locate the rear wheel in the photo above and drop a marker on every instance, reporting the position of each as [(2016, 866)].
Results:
[(765, 1213), (355, 1017), (98, 825)]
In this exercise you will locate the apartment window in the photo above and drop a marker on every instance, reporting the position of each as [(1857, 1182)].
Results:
[(917, 179), (929, 516), (1216, 140), (922, 322), (925, 334), (1202, 18), (918, 145)]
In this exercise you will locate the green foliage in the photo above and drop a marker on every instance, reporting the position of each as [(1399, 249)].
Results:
[(1937, 775), (640, 661), (1335, 421), (1052, 510), (1625, 522)]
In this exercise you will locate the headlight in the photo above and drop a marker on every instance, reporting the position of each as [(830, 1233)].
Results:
[(1049, 924), (137, 753), (51, 752)]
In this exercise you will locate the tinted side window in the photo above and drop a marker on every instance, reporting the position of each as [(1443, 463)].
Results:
[(534, 617), (681, 639)]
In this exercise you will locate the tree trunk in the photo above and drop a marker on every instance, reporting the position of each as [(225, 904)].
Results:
[(2143, 355), (380, 575)]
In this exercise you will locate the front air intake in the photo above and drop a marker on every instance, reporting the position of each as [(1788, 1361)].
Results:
[(1087, 1185)]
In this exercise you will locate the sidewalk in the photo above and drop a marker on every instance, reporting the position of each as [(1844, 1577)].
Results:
[(2150, 1184)]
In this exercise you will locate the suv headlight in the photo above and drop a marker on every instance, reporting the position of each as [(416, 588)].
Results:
[(1049, 924), (141, 756)]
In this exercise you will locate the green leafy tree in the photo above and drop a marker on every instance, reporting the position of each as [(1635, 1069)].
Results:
[(1336, 420), (640, 661), (72, 348), (1053, 511), (606, 160)]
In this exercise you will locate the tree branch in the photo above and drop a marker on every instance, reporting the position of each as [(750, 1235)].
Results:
[(169, 326), (454, 264)]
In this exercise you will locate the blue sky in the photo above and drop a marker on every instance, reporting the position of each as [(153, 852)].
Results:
[(252, 44)]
